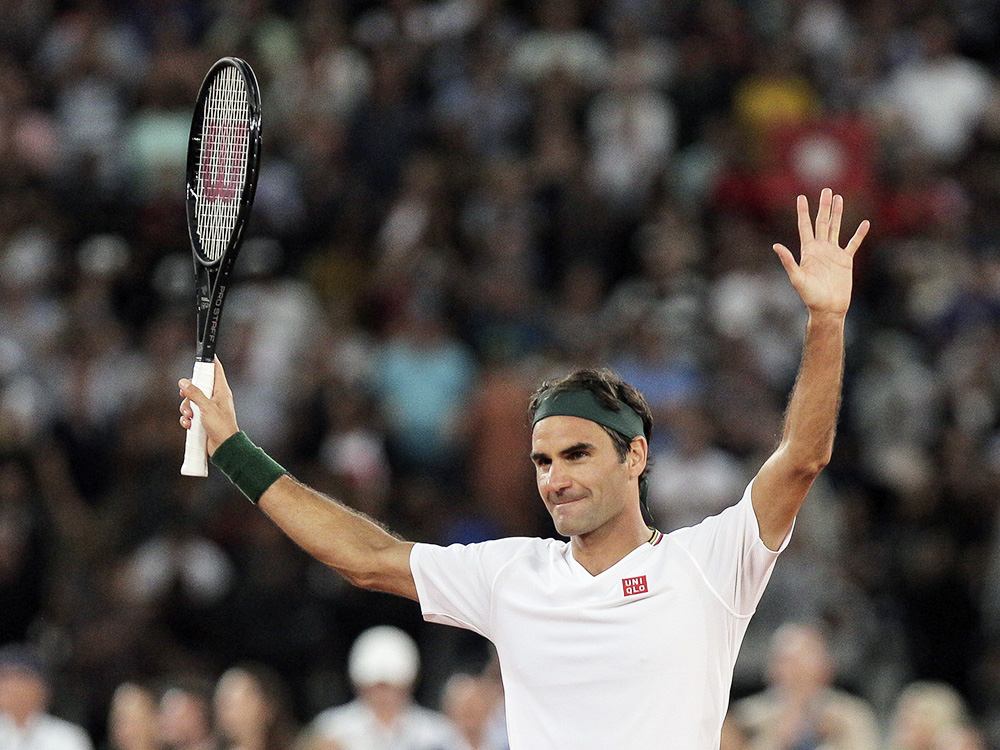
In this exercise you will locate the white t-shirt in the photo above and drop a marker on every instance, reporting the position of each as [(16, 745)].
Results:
[(43, 732), (353, 726), (640, 656)]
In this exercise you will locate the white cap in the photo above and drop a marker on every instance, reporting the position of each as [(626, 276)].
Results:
[(383, 654)]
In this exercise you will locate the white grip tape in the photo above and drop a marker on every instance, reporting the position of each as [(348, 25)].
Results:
[(195, 445)]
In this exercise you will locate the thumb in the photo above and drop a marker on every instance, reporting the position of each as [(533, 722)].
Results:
[(221, 384), (787, 260)]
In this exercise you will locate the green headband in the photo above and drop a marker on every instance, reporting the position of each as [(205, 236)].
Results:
[(583, 403)]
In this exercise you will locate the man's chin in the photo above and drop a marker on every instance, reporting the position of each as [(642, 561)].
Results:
[(566, 521)]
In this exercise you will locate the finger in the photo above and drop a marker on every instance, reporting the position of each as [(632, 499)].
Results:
[(787, 259), (221, 384), (835, 217), (823, 214), (186, 409), (193, 393), (859, 236), (805, 226)]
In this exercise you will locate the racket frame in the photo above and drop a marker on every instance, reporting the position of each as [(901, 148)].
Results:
[(212, 274)]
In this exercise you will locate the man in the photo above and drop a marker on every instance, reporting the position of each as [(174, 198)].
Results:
[(383, 667), (472, 705), (184, 718), (620, 638), (802, 707), (24, 699)]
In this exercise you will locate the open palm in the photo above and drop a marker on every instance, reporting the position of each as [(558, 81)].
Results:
[(823, 275)]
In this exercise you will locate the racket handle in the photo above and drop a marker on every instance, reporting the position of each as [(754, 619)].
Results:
[(196, 444)]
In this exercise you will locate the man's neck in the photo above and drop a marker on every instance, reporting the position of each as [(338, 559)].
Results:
[(606, 546), (22, 720)]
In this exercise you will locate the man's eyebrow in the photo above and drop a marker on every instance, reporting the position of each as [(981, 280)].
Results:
[(576, 447)]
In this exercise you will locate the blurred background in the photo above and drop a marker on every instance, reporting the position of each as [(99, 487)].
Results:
[(459, 198)]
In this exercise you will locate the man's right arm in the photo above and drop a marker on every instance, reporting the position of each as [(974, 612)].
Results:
[(348, 541)]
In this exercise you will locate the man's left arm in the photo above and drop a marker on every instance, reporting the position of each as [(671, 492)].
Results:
[(823, 278)]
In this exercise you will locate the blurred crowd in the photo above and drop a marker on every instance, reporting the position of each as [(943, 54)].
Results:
[(457, 199)]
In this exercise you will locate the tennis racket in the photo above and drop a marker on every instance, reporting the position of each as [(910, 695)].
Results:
[(222, 165)]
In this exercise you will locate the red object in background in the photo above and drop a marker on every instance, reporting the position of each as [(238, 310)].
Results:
[(801, 160), (839, 154)]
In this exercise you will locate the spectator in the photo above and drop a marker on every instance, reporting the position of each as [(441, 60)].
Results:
[(801, 707), (253, 710), (383, 667), (132, 718), (25, 691), (939, 100), (928, 716), (184, 719), (470, 704)]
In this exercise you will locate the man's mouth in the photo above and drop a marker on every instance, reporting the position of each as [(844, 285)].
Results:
[(565, 500)]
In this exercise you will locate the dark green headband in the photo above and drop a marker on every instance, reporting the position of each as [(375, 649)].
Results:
[(584, 403)]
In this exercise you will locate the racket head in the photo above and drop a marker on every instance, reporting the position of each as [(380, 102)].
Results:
[(223, 160)]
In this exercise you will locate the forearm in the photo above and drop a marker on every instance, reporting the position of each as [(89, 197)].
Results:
[(340, 537), (806, 443), (811, 415)]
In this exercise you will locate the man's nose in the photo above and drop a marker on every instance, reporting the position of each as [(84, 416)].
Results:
[(558, 478)]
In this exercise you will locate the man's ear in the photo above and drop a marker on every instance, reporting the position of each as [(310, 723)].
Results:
[(638, 455)]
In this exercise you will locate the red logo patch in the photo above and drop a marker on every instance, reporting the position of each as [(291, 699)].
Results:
[(634, 586)]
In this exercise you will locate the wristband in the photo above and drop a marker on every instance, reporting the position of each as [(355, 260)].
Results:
[(247, 466)]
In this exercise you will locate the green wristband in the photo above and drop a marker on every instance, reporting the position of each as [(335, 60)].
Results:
[(247, 466)]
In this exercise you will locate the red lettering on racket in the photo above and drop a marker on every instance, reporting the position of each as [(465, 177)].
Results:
[(220, 161)]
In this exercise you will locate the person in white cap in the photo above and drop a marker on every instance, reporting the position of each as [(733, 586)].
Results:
[(383, 667)]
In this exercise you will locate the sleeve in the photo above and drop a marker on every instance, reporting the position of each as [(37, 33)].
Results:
[(455, 583), (728, 551)]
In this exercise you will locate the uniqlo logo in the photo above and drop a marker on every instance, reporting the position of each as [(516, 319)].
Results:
[(634, 586)]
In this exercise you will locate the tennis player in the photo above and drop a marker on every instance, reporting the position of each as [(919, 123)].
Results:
[(621, 637)]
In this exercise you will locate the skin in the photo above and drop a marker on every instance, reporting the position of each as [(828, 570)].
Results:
[(594, 498), (23, 694), (823, 278)]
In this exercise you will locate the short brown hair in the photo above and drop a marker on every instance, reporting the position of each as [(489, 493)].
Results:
[(609, 389)]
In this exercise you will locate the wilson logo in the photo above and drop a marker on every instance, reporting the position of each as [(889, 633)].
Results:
[(633, 586), (221, 172)]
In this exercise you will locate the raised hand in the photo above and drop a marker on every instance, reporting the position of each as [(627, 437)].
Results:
[(218, 413), (823, 275)]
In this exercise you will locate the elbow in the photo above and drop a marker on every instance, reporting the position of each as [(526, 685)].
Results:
[(362, 579), (377, 569), (807, 465), (810, 469), (361, 576)]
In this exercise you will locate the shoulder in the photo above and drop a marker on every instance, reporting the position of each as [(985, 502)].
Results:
[(493, 553), (332, 719), (428, 722), (735, 516), (63, 734)]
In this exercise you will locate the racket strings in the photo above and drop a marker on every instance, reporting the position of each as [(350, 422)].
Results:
[(222, 163)]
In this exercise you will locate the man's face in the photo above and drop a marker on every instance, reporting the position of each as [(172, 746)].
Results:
[(22, 693), (183, 719), (582, 482)]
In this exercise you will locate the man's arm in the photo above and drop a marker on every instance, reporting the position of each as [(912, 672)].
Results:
[(349, 542), (823, 277)]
